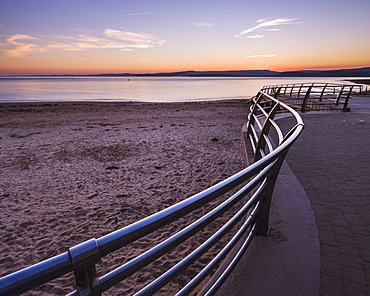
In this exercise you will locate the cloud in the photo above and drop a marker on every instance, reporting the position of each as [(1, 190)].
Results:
[(138, 13), (85, 56), (261, 56), (109, 39), (21, 48), (129, 36), (265, 24), (255, 36), (132, 40), (204, 24)]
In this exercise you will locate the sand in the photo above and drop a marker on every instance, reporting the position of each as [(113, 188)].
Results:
[(74, 171)]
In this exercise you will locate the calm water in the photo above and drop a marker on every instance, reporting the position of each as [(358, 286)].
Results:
[(138, 89)]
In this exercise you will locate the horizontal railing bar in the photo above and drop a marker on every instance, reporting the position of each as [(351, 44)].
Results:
[(270, 158), (317, 91), (252, 141), (30, 277), (120, 273), (128, 234), (268, 143), (233, 263), (191, 258), (278, 131), (256, 119), (221, 255), (262, 152), (254, 133), (260, 108), (122, 237)]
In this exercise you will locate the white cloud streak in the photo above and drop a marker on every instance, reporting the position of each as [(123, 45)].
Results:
[(138, 13), (204, 24), (265, 24), (261, 56), (255, 36), (20, 45)]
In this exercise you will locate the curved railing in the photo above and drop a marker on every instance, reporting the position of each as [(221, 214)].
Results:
[(315, 96), (235, 209)]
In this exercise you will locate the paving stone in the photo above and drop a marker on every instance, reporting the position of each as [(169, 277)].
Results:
[(343, 234), (349, 249), (327, 225), (355, 275), (353, 261), (355, 289), (359, 229), (327, 237), (330, 251), (348, 209), (367, 269), (355, 219), (363, 241), (331, 266), (338, 220), (331, 286)]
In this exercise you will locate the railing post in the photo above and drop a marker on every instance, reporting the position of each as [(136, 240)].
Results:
[(322, 92), (291, 91), (263, 213), (286, 86), (337, 100), (299, 91), (306, 97), (84, 256), (266, 194), (345, 109), (277, 93)]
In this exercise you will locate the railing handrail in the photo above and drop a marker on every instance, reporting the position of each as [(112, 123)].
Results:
[(335, 95), (257, 180)]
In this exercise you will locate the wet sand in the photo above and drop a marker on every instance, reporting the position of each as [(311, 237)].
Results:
[(73, 171)]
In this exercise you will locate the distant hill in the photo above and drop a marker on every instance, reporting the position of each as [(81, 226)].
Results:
[(240, 73), (358, 72)]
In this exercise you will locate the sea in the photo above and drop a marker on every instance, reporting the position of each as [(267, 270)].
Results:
[(140, 89)]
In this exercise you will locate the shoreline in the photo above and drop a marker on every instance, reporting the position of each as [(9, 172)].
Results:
[(359, 81), (121, 103)]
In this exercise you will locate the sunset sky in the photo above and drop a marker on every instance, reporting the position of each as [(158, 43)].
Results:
[(119, 36)]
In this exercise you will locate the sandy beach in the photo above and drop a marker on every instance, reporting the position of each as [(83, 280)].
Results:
[(74, 171)]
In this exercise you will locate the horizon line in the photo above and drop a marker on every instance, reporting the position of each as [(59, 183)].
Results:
[(206, 72)]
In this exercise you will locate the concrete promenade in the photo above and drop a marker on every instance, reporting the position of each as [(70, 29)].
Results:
[(322, 245)]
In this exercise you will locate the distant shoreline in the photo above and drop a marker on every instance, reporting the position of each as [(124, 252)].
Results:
[(357, 72), (359, 81), (116, 103)]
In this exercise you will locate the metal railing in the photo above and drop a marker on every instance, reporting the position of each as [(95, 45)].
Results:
[(240, 204), (315, 96)]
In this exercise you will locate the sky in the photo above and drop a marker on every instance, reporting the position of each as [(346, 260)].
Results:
[(119, 36)]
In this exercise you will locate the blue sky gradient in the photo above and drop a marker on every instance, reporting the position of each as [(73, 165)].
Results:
[(80, 37)]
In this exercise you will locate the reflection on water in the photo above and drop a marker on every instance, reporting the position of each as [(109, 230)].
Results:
[(139, 89)]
